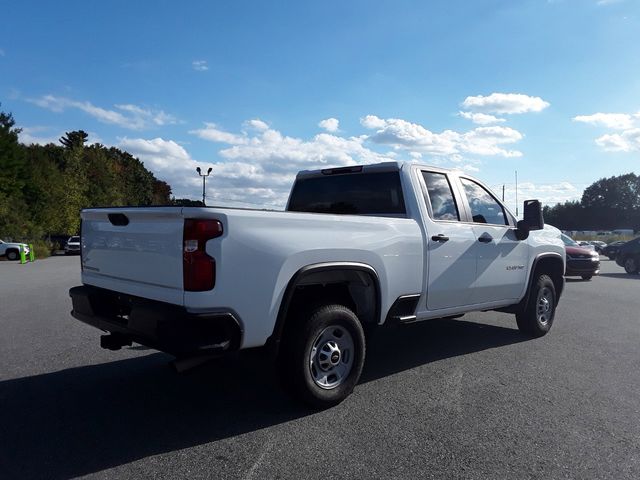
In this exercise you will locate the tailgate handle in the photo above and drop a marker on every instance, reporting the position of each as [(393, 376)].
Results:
[(118, 219)]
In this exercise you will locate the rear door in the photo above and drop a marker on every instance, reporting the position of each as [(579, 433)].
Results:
[(451, 259), (134, 250), (501, 258)]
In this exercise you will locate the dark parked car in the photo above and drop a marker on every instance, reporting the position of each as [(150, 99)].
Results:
[(581, 262), (611, 250), (598, 244), (629, 256)]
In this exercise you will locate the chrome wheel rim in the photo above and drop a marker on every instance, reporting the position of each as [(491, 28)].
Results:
[(331, 357), (545, 305)]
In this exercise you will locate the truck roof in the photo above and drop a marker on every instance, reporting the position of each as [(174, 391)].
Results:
[(373, 167), (391, 166)]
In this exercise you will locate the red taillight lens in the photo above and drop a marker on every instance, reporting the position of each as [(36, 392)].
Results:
[(198, 268)]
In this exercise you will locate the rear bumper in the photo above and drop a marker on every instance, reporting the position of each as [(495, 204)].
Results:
[(158, 325)]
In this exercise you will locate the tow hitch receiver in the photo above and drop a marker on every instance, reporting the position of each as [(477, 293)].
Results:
[(114, 341)]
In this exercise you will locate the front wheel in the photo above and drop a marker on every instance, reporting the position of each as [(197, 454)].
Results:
[(322, 355), (630, 265), (587, 277), (12, 255), (537, 317)]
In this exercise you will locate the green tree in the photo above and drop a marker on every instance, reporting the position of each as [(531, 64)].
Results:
[(14, 215), (74, 139)]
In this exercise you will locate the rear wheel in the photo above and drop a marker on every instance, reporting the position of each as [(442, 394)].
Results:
[(537, 317), (631, 265), (12, 255), (322, 355)]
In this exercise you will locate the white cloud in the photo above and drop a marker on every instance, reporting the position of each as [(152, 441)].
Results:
[(330, 124), (257, 164), (200, 65), (607, 2), (256, 124), (372, 122), (402, 134), (505, 103), (547, 193), (616, 121), (37, 136), (212, 133), (257, 167), (157, 117), (1, 52), (628, 140), (127, 116), (481, 118), (157, 153)]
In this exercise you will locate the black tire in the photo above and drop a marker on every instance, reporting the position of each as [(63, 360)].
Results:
[(299, 366), (537, 317), (587, 277), (631, 265), (12, 255)]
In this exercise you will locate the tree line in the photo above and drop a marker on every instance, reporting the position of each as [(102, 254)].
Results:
[(44, 187), (607, 204)]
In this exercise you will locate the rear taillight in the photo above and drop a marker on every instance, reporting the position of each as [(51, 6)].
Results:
[(198, 268)]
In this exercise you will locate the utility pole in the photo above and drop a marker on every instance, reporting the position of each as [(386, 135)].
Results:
[(204, 179), (503, 192), (516, 193)]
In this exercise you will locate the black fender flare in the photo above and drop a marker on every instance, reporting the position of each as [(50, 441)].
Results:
[(273, 342), (551, 255)]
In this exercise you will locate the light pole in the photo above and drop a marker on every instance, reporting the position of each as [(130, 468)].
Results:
[(204, 180)]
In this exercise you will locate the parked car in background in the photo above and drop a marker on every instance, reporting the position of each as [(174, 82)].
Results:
[(11, 250), (599, 245), (581, 262), (587, 245), (72, 246), (629, 256), (611, 250)]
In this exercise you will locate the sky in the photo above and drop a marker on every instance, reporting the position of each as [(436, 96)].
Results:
[(259, 90)]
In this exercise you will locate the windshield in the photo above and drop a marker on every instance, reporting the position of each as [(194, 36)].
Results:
[(569, 242), (74, 239)]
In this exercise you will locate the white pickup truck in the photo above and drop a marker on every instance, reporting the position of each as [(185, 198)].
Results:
[(356, 248), (12, 250)]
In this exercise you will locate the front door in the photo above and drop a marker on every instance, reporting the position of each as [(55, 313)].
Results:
[(502, 259)]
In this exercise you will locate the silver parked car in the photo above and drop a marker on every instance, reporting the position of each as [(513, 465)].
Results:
[(72, 246)]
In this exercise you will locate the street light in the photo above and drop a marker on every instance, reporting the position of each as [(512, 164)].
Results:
[(204, 179)]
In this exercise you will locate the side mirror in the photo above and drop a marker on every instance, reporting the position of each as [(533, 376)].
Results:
[(533, 219), (533, 214)]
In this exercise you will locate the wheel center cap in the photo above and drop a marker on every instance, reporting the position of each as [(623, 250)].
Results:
[(335, 357), (545, 304)]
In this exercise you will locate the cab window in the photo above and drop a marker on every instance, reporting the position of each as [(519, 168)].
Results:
[(443, 204), (484, 207)]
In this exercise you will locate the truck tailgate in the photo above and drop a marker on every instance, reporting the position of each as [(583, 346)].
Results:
[(134, 250)]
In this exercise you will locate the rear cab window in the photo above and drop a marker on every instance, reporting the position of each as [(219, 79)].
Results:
[(362, 193), (440, 197)]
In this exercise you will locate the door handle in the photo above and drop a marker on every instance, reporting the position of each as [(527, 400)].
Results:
[(485, 238), (440, 238)]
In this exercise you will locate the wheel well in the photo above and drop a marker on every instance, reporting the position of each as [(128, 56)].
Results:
[(553, 267), (357, 288)]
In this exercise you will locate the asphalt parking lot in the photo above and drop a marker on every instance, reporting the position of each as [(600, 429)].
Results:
[(467, 398)]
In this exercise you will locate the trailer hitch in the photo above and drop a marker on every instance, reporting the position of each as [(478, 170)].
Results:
[(114, 341)]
